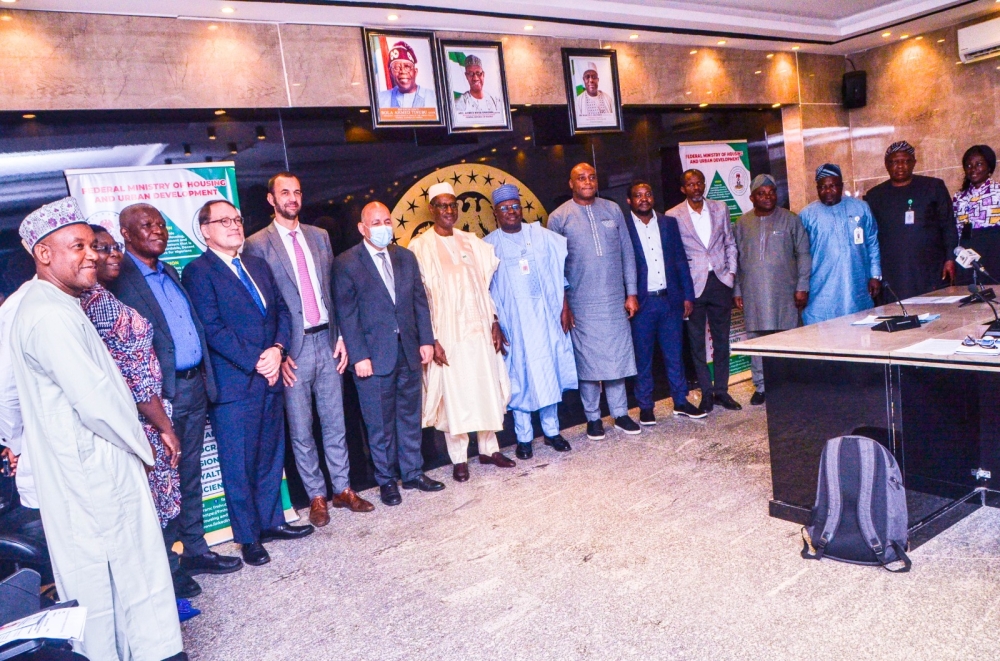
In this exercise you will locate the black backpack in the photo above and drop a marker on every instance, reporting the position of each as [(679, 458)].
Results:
[(860, 513)]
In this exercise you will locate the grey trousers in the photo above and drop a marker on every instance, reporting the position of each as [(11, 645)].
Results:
[(757, 363), (318, 377), (590, 394)]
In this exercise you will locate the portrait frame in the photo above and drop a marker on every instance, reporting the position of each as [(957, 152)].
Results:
[(574, 61), (452, 56), (377, 45)]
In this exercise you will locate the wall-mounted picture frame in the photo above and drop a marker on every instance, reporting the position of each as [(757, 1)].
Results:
[(403, 79), (592, 90), (475, 85)]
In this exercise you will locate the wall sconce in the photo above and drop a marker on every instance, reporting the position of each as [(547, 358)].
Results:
[(232, 148), (261, 135), (211, 133), (187, 149)]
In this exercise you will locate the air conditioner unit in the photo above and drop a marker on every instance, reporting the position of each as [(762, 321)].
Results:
[(979, 42)]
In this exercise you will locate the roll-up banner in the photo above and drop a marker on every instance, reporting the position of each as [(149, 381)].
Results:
[(726, 166), (177, 192)]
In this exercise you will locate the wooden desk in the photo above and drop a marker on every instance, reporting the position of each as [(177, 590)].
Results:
[(938, 415)]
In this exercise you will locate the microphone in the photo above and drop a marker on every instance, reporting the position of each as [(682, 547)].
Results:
[(968, 258), (891, 324)]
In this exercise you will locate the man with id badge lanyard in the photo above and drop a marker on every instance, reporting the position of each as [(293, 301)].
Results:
[(843, 239)]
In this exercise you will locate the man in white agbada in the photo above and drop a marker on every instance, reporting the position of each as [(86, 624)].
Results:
[(593, 102), (477, 104), (87, 449), (466, 387)]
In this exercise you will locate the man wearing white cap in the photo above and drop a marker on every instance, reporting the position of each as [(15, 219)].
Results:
[(592, 102), (466, 387), (87, 451)]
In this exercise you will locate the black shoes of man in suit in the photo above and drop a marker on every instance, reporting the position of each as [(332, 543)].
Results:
[(725, 400), (389, 492), (285, 531), (255, 554)]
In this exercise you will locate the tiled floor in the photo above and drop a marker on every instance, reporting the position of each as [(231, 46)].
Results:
[(655, 546)]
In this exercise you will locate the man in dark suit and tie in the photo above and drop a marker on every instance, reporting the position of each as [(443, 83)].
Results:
[(154, 289), (666, 299), (301, 262), (247, 326), (386, 323), (708, 239)]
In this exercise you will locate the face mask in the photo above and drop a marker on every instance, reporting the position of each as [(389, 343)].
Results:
[(381, 236)]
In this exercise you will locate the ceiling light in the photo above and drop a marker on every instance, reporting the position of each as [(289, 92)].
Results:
[(514, 147), (633, 36), (606, 46), (886, 34), (702, 105), (261, 134), (6, 17), (228, 10), (770, 56), (363, 110), (8, 2), (28, 115), (917, 38), (721, 42), (693, 52), (220, 111), (513, 109), (527, 137), (393, 17), (757, 72), (494, 150), (904, 36), (527, 105), (776, 105), (959, 62), (187, 149), (796, 47), (211, 133), (529, 28), (687, 93), (356, 83), (940, 41), (232, 148)]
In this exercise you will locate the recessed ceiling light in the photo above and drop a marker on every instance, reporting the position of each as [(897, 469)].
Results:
[(770, 56), (757, 72), (6, 17), (633, 36), (776, 105), (228, 10), (494, 150), (702, 105), (687, 93), (527, 105), (232, 148), (693, 52), (904, 36), (940, 41), (213, 26), (795, 47), (393, 17), (8, 2), (28, 115), (363, 110), (527, 137), (886, 34), (529, 28), (220, 111), (917, 38), (721, 42)]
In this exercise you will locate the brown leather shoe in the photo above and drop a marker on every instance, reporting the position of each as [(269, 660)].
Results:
[(461, 472), (318, 514), (352, 501), (498, 459)]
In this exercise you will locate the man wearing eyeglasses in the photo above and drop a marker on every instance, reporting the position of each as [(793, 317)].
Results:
[(528, 290), (247, 325), (466, 387), (301, 261), (154, 289), (405, 93)]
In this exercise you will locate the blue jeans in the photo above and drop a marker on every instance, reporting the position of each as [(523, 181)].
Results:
[(549, 416)]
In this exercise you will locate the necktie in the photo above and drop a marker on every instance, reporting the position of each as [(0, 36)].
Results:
[(309, 305), (390, 282), (248, 283)]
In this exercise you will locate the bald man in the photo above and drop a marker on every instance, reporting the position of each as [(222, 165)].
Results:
[(383, 316)]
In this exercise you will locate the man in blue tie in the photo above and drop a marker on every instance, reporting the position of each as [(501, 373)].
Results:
[(247, 327)]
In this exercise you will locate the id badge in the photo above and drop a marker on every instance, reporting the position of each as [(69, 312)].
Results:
[(859, 236), (525, 267), (909, 217)]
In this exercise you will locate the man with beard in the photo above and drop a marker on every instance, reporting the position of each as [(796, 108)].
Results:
[(406, 93), (301, 261)]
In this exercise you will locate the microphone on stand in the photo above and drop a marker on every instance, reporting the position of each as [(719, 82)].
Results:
[(968, 258), (891, 324)]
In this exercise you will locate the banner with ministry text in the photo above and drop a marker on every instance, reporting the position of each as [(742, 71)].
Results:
[(726, 166), (177, 192)]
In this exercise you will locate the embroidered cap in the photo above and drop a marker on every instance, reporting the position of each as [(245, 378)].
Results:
[(504, 193), (902, 146), (762, 180), (828, 170), (402, 51), (47, 219)]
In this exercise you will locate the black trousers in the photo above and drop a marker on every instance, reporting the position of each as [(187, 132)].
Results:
[(190, 404), (715, 305)]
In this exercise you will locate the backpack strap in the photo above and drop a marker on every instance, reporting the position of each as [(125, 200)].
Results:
[(866, 450), (901, 555), (834, 504)]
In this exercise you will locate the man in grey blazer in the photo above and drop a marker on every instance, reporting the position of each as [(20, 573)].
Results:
[(386, 323), (301, 261), (708, 241), (154, 289)]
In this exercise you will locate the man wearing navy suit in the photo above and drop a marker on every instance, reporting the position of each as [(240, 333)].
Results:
[(666, 298), (386, 324), (247, 326)]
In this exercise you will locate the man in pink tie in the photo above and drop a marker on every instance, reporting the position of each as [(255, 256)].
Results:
[(301, 260)]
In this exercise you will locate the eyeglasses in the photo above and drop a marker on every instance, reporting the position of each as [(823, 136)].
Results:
[(445, 205), (507, 208), (227, 222), (985, 342), (110, 248)]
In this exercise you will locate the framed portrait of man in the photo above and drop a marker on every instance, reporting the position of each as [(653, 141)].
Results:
[(475, 86), (403, 79), (592, 90)]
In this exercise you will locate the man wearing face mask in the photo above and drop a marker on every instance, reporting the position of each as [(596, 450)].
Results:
[(386, 323), (301, 261)]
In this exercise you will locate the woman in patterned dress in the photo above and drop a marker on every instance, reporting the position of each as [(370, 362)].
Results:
[(977, 210), (129, 338)]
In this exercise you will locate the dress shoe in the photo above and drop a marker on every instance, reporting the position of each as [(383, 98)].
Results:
[(461, 472), (595, 430), (423, 483), (284, 531), (757, 399), (627, 425), (389, 493), (352, 501), (689, 410), (707, 404), (558, 443), (647, 417), (524, 451), (319, 516), (210, 563), (498, 459), (726, 401), (185, 587), (255, 554)]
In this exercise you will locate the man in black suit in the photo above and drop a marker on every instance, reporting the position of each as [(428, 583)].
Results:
[(154, 289), (247, 325), (386, 324)]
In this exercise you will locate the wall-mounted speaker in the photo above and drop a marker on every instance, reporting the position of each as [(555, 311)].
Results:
[(855, 89)]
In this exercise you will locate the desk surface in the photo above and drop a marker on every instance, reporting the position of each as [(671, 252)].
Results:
[(837, 339)]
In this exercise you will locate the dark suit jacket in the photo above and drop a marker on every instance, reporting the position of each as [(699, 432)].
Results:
[(369, 321), (680, 288), (236, 332), (267, 245), (132, 289)]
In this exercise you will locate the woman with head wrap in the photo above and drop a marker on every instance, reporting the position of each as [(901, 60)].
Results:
[(977, 209)]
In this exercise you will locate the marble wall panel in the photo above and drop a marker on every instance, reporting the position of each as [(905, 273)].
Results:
[(820, 77), (61, 61), (325, 65)]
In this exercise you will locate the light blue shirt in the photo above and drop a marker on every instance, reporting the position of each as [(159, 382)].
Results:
[(177, 312), (843, 240)]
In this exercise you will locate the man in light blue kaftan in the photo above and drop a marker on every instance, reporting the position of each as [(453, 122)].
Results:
[(843, 240), (528, 290)]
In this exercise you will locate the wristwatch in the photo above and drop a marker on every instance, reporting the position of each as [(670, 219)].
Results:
[(283, 350)]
